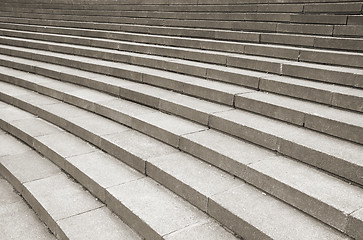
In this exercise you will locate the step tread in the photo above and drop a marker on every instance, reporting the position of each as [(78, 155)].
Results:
[(277, 135), (233, 60), (177, 214), (132, 138), (336, 95), (348, 44), (249, 156), (143, 185), (281, 134), (14, 209), (58, 200), (305, 114)]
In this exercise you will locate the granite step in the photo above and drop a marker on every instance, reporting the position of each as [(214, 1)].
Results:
[(305, 145), (341, 43), (235, 166), (63, 205), (188, 48), (168, 170), (343, 124), (15, 210), (237, 25), (344, 24), (148, 208), (225, 93)]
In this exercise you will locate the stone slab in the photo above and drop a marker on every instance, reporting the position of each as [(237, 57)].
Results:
[(235, 75), (348, 98), (336, 122), (100, 223), (189, 177), (215, 148), (134, 148), (251, 216), (329, 74), (340, 157), (165, 127), (320, 195), (26, 167), (11, 113), (61, 145), (263, 103), (7, 194), (156, 207), (91, 127), (192, 108), (11, 146), (122, 111), (89, 169), (313, 91), (208, 230), (248, 126), (350, 59), (36, 127), (58, 197), (339, 43), (305, 29), (28, 225), (355, 224)]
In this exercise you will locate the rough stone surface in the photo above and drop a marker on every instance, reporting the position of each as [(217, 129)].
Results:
[(11, 146), (121, 110), (100, 223), (215, 147), (91, 127), (18, 221), (71, 145), (207, 230), (165, 127), (251, 217), (356, 224), (89, 169), (145, 200), (58, 197), (26, 167), (189, 177), (315, 192), (134, 148)]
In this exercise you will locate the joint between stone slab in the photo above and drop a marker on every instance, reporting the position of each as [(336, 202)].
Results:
[(188, 226), (299, 56), (103, 205)]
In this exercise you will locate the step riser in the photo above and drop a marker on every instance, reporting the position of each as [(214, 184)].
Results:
[(352, 44), (285, 69), (213, 208), (351, 132), (340, 218), (100, 192), (304, 55), (200, 15), (338, 99), (284, 146), (281, 145), (325, 30)]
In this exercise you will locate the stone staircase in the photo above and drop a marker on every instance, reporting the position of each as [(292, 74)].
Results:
[(193, 119)]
